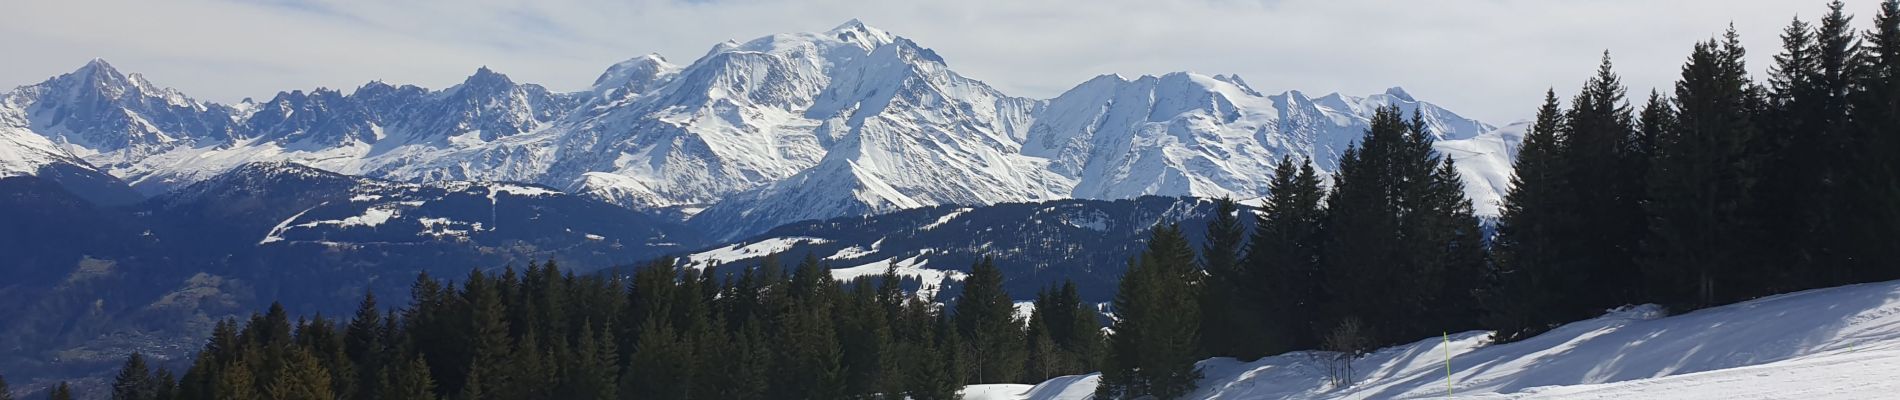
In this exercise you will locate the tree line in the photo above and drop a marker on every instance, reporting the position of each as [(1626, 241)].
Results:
[(1724, 190), (664, 333)]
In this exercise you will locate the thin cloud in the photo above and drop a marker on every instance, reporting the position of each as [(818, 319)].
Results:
[(1490, 59)]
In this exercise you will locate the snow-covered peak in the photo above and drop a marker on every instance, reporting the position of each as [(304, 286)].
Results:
[(634, 76), (1399, 93), (855, 31), (850, 40)]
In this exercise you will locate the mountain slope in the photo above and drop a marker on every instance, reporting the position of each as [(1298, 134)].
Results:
[(1035, 244), (87, 284), (1835, 343), (789, 127)]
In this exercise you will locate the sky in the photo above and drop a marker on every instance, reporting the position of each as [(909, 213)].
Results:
[(1487, 59)]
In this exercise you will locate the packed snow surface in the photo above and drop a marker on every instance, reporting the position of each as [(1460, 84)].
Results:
[(1836, 343)]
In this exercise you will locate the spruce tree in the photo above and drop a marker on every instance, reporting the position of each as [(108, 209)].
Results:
[(867, 343), (362, 344), (1537, 262), (406, 380), (1283, 260), (1601, 190), (6, 393), (135, 380), (986, 320), (1153, 348), (1080, 337), (661, 367), (489, 343), (1702, 233), (1873, 185), (809, 361), (236, 382), (167, 385), (1393, 188), (302, 378), (1230, 320), (592, 371)]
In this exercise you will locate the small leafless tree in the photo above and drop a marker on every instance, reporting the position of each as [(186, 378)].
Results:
[(1348, 342)]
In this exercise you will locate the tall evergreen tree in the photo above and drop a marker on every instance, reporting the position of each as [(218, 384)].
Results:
[(1283, 260), (809, 358), (6, 393), (1604, 191), (1231, 323), (1701, 185), (487, 329), (1392, 188), (592, 370), (1873, 185), (406, 380), (362, 344), (135, 380), (986, 319), (661, 367), (1536, 262), (302, 378), (237, 382), (1152, 349)]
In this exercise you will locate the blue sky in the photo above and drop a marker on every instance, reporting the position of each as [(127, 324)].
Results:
[(1489, 59)]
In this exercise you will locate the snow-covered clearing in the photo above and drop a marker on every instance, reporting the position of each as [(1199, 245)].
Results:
[(1836, 343), (743, 251), (912, 267)]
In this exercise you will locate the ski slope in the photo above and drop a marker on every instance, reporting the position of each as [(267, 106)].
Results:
[(1835, 343)]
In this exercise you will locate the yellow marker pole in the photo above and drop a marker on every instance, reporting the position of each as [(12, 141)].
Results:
[(1447, 365)]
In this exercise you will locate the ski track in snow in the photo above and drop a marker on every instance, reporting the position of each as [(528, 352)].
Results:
[(1836, 343)]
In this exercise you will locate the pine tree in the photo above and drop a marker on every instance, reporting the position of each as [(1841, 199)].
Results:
[(236, 382), (661, 367), (810, 361), (1230, 320), (1283, 260), (937, 377), (302, 378), (986, 319), (1044, 357), (592, 370), (1153, 345), (61, 392), (532, 370), (1536, 262), (134, 381), (488, 330), (867, 343), (1872, 187), (1603, 270), (1080, 337), (406, 381), (167, 385), (1702, 235), (362, 344), (6, 393), (1392, 188)]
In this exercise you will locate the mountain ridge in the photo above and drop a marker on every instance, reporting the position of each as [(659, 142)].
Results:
[(787, 127)]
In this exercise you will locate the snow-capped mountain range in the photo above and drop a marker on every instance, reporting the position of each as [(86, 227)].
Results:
[(788, 127)]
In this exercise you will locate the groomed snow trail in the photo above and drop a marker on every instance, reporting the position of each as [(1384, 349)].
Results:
[(1834, 343)]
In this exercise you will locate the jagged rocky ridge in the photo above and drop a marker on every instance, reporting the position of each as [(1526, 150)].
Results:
[(752, 135)]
